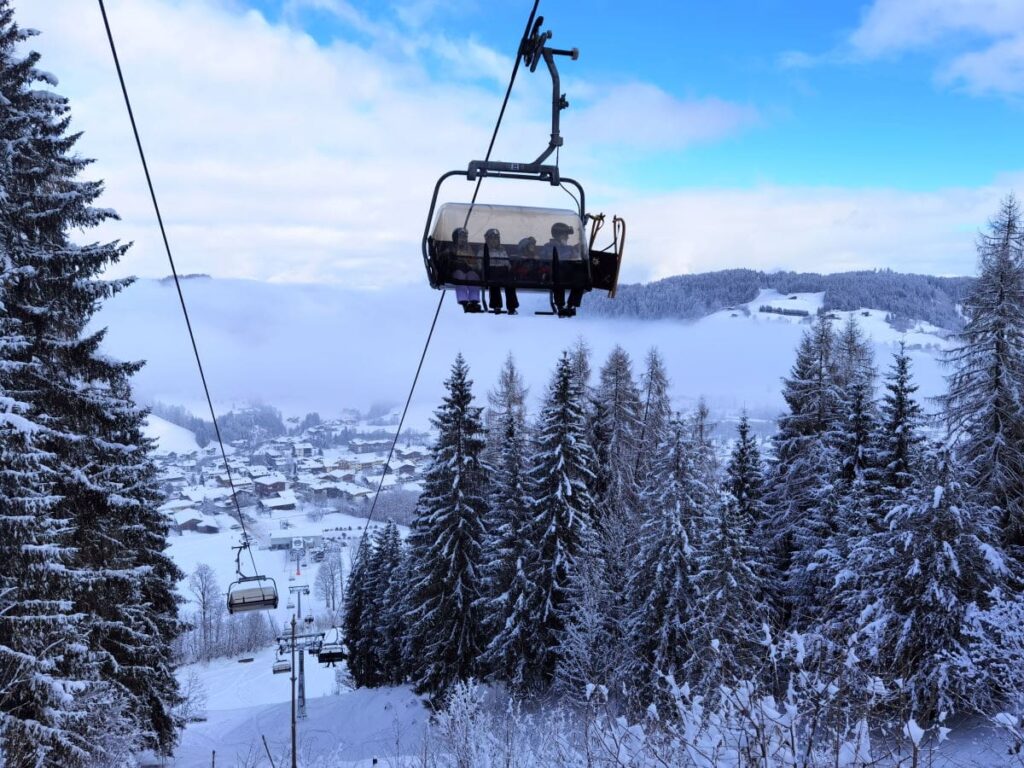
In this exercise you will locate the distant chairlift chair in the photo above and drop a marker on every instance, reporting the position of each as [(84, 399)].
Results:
[(250, 593)]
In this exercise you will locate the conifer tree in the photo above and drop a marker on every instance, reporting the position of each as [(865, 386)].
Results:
[(507, 543), (804, 493), (590, 649), (935, 566), (661, 590), (899, 436), (655, 415), (93, 610), (393, 629), (745, 476), (621, 416), (507, 400), (855, 422), (358, 640), (445, 631), (726, 624), (616, 439), (560, 531), (378, 620), (984, 405)]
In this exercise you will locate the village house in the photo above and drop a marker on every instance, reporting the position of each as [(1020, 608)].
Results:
[(285, 502), (269, 485), (361, 445)]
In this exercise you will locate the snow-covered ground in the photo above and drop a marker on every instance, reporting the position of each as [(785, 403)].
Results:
[(189, 549), (170, 438), (304, 348), (244, 699), (353, 727)]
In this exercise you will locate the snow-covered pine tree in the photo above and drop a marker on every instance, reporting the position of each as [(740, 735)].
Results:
[(131, 599), (621, 414), (616, 438), (897, 453), (702, 437), (508, 546), (899, 437), (725, 626), (579, 357), (984, 405), (358, 640), (803, 491), (744, 475), (856, 416), (590, 648), (393, 627), (446, 546), (384, 639), (560, 532), (93, 481), (661, 592), (655, 415), (935, 566), (506, 400)]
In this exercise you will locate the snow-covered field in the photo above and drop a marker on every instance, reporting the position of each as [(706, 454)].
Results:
[(170, 438), (304, 347), (355, 726)]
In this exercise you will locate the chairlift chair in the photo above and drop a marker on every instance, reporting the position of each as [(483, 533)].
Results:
[(250, 593), (528, 254), (332, 649), (281, 666)]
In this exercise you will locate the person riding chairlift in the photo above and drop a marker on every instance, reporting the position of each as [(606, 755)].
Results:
[(567, 268), (469, 296), (498, 270)]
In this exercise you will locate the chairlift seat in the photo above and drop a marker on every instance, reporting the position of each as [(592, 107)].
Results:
[(332, 649), (281, 666), (252, 593), (528, 258)]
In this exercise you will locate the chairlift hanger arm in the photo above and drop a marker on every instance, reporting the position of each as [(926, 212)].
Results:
[(532, 50)]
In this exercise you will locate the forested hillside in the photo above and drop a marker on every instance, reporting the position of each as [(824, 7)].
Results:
[(688, 297)]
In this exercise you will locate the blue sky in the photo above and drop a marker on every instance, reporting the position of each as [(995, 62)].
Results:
[(298, 140), (849, 119)]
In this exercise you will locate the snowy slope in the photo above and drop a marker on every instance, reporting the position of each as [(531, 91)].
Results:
[(170, 438), (304, 347), (355, 726)]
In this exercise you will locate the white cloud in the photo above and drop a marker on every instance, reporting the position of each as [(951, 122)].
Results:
[(996, 69), (892, 26), (992, 29), (809, 229), (643, 115)]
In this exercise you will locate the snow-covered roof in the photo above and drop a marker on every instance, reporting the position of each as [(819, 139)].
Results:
[(183, 516), (270, 479), (175, 505)]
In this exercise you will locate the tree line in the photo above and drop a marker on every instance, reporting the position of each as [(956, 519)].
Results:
[(870, 556), (904, 297)]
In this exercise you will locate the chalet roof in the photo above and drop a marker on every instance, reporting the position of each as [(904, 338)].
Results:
[(170, 507), (183, 516), (270, 479)]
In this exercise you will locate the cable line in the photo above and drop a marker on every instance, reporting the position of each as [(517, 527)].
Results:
[(177, 284)]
